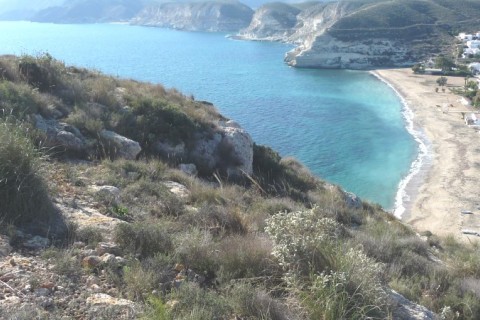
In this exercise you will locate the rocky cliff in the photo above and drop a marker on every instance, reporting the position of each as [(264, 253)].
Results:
[(214, 16), (272, 22), (366, 33)]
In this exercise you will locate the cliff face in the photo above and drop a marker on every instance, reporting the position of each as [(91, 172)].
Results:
[(273, 22), (214, 16), (367, 34)]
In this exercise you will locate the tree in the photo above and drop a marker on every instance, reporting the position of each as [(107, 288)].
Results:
[(444, 63), (418, 68), (442, 81)]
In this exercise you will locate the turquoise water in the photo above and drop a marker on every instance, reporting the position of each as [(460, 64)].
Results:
[(346, 126)]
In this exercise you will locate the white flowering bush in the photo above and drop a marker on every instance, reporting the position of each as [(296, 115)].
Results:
[(301, 237), (333, 281)]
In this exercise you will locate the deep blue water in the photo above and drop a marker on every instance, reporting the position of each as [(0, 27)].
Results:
[(346, 126)]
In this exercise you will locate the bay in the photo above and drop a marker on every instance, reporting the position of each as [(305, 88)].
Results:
[(346, 126)]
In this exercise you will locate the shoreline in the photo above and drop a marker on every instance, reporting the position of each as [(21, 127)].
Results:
[(443, 179), (408, 186)]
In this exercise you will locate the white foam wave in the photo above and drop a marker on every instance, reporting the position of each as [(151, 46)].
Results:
[(402, 197)]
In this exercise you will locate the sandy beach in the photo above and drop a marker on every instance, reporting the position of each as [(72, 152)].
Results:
[(450, 182)]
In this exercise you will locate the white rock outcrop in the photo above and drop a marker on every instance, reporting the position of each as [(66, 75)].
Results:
[(59, 134), (242, 150), (120, 146)]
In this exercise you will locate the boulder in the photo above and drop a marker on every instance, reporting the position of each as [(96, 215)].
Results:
[(188, 168), (120, 308), (119, 146), (107, 247), (107, 193), (91, 261), (59, 134), (36, 243), (230, 149), (205, 149), (405, 309), (177, 189), (352, 200), (242, 150)]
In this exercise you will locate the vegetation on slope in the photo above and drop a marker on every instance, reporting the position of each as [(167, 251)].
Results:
[(280, 244)]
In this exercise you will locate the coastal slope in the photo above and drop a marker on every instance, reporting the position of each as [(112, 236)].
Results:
[(160, 198)]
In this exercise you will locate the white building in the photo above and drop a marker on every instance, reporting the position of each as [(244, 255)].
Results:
[(474, 67), (472, 44), (465, 37)]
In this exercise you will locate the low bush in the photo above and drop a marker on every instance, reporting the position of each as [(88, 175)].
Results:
[(255, 303), (143, 239), (23, 192), (245, 257)]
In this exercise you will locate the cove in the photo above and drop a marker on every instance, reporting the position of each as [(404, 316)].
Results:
[(346, 126)]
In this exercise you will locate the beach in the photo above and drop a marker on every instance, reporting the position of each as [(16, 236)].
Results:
[(447, 182)]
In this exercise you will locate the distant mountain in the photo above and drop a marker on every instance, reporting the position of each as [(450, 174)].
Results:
[(214, 16), (86, 11), (24, 9)]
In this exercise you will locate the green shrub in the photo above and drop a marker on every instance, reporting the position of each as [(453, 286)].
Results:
[(65, 262), (143, 238), (195, 248), (254, 303), (42, 72), (216, 219), (245, 257), (89, 235), (139, 282), (23, 193), (195, 303)]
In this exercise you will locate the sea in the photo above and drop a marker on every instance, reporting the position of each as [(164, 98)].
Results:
[(347, 127)]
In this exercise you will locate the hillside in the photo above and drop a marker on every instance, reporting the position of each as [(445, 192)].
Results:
[(122, 199), (365, 34), (89, 11), (217, 16)]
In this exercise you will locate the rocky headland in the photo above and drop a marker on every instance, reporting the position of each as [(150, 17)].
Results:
[(364, 34), (212, 16)]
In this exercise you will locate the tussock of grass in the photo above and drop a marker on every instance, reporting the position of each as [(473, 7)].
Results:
[(23, 193)]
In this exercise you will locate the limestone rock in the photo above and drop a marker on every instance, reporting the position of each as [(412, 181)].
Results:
[(107, 193), (205, 149), (36, 243), (91, 261), (177, 189), (408, 310), (242, 145), (211, 16), (352, 200), (188, 168), (102, 301), (230, 149), (107, 247), (119, 146), (60, 134), (271, 22)]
